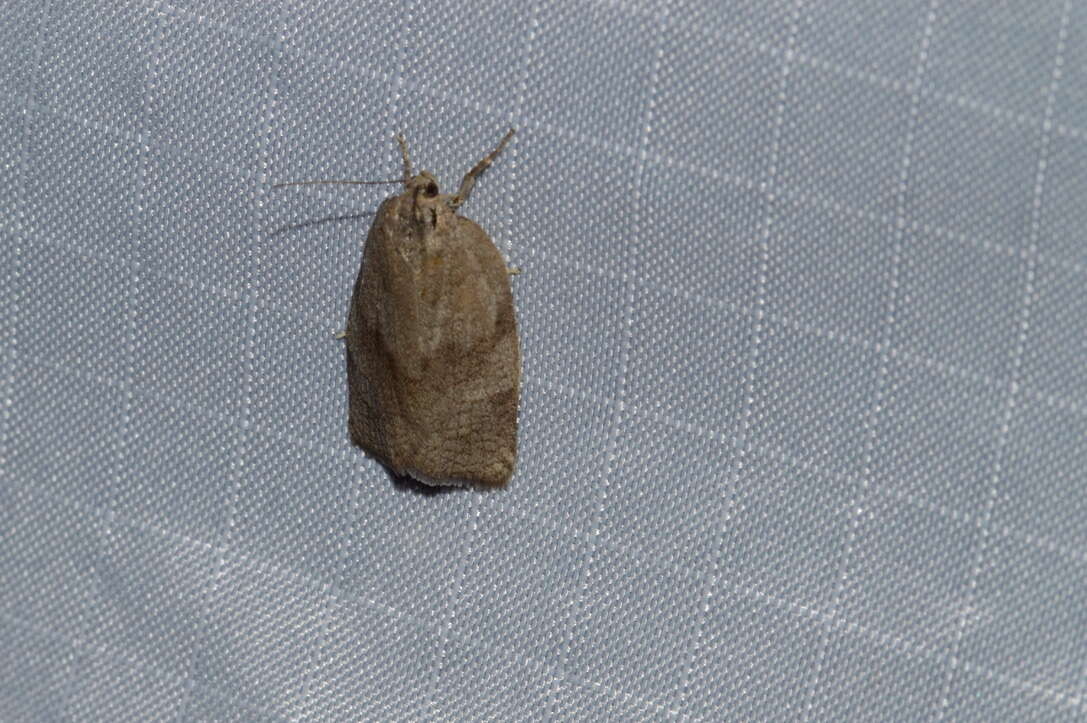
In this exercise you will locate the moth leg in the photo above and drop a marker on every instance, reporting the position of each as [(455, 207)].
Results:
[(513, 270), (469, 181), (339, 335), (404, 155)]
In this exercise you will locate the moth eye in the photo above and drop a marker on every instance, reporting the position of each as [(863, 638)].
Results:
[(431, 190)]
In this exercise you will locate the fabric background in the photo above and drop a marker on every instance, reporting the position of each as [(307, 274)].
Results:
[(804, 421)]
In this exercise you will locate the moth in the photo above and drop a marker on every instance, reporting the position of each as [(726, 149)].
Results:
[(433, 357)]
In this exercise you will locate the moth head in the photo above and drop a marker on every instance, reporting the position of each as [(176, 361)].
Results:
[(424, 185)]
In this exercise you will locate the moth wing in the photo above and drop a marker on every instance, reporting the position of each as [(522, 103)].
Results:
[(372, 402), (433, 356)]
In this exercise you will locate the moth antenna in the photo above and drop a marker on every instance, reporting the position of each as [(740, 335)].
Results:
[(341, 183), (469, 181), (403, 143)]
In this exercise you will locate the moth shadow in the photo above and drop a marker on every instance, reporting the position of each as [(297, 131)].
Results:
[(288, 228), (404, 483)]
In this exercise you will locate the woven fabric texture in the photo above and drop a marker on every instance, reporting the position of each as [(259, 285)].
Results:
[(804, 319)]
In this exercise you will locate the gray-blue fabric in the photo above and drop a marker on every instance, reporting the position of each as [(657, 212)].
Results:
[(804, 320)]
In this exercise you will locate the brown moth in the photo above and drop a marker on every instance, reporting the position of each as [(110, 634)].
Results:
[(433, 358)]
